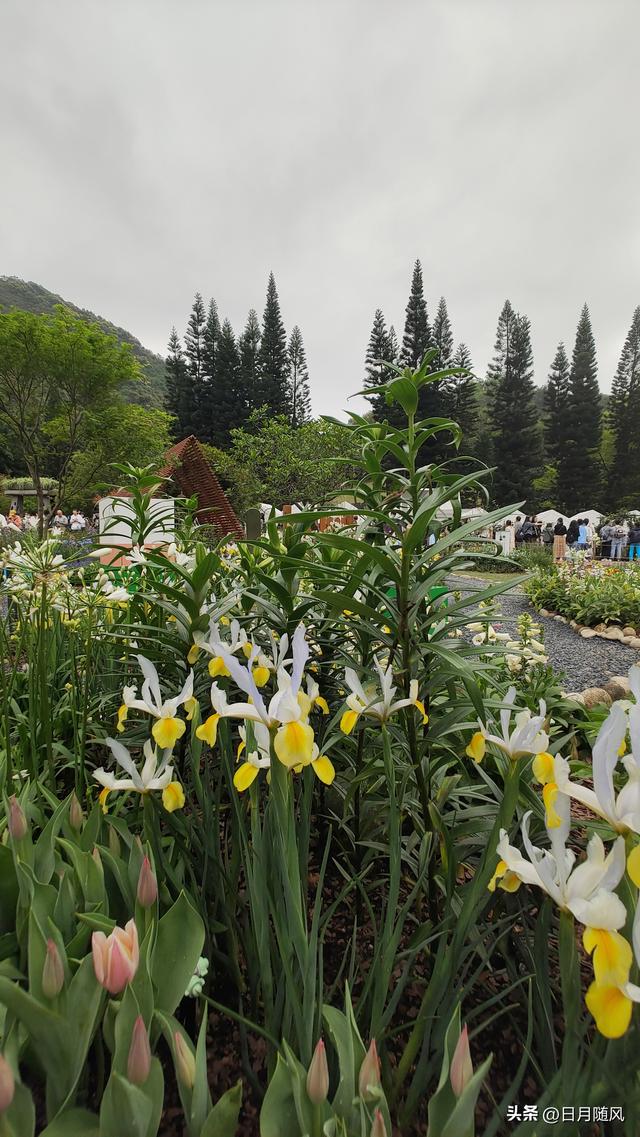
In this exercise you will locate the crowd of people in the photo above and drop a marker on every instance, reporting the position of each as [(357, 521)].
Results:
[(614, 539), (74, 522)]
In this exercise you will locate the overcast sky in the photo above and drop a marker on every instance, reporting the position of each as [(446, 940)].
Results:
[(152, 149)]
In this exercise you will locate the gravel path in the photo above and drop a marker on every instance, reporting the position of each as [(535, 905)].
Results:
[(584, 662)]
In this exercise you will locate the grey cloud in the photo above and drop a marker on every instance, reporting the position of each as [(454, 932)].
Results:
[(152, 149)]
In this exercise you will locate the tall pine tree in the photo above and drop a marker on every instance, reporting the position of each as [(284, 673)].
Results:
[(464, 398), (394, 350), (442, 336), (179, 390), (272, 388), (194, 341), (248, 345), (228, 394), (514, 422), (417, 333), (299, 393), (379, 351), (556, 405), (579, 472), (624, 419), (210, 339)]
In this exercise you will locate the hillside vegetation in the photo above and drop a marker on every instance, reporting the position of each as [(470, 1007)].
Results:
[(32, 297)]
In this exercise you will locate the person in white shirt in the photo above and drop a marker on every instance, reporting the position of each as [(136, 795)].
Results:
[(76, 521)]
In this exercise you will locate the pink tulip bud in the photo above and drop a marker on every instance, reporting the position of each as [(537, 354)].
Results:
[(378, 1129), (185, 1061), (116, 957), (318, 1076), (7, 1084), (369, 1071), (139, 1060), (16, 821), (461, 1071), (147, 885), (52, 972), (76, 816)]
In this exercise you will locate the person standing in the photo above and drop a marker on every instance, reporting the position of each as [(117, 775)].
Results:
[(573, 533), (559, 541), (606, 530), (617, 541), (547, 536), (582, 534), (634, 540)]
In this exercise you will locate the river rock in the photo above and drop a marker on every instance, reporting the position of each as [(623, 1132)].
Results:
[(588, 633), (595, 696)]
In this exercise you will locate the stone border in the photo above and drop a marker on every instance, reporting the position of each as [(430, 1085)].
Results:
[(628, 635), (616, 688)]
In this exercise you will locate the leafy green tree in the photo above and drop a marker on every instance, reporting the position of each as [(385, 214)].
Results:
[(299, 393), (248, 346), (123, 432), (624, 420), (514, 421), (56, 373), (272, 461), (579, 468), (272, 388), (556, 406), (379, 352), (179, 388)]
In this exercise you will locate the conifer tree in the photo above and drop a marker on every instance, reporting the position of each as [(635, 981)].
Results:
[(179, 391), (248, 345), (624, 419), (394, 349), (514, 422), (210, 339), (273, 359), (417, 333), (556, 404), (194, 341), (299, 393), (579, 473), (463, 406), (227, 393), (442, 336), (379, 351)]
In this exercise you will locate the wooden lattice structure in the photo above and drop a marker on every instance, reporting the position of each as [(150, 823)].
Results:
[(187, 464)]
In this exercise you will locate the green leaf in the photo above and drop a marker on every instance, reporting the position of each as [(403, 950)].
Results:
[(74, 1123), (178, 948), (223, 1119), (278, 1113), (125, 1109)]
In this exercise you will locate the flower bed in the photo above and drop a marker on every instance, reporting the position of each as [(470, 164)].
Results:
[(263, 821), (590, 594)]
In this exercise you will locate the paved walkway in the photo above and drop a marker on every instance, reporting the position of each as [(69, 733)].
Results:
[(581, 662)]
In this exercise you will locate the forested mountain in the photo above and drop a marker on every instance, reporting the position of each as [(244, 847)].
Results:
[(32, 297)]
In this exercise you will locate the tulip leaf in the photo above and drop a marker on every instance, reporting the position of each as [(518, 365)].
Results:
[(125, 1108), (21, 1114), (179, 944), (74, 1123), (278, 1113), (223, 1119)]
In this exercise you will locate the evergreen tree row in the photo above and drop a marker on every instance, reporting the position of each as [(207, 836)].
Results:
[(215, 380), (549, 447)]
